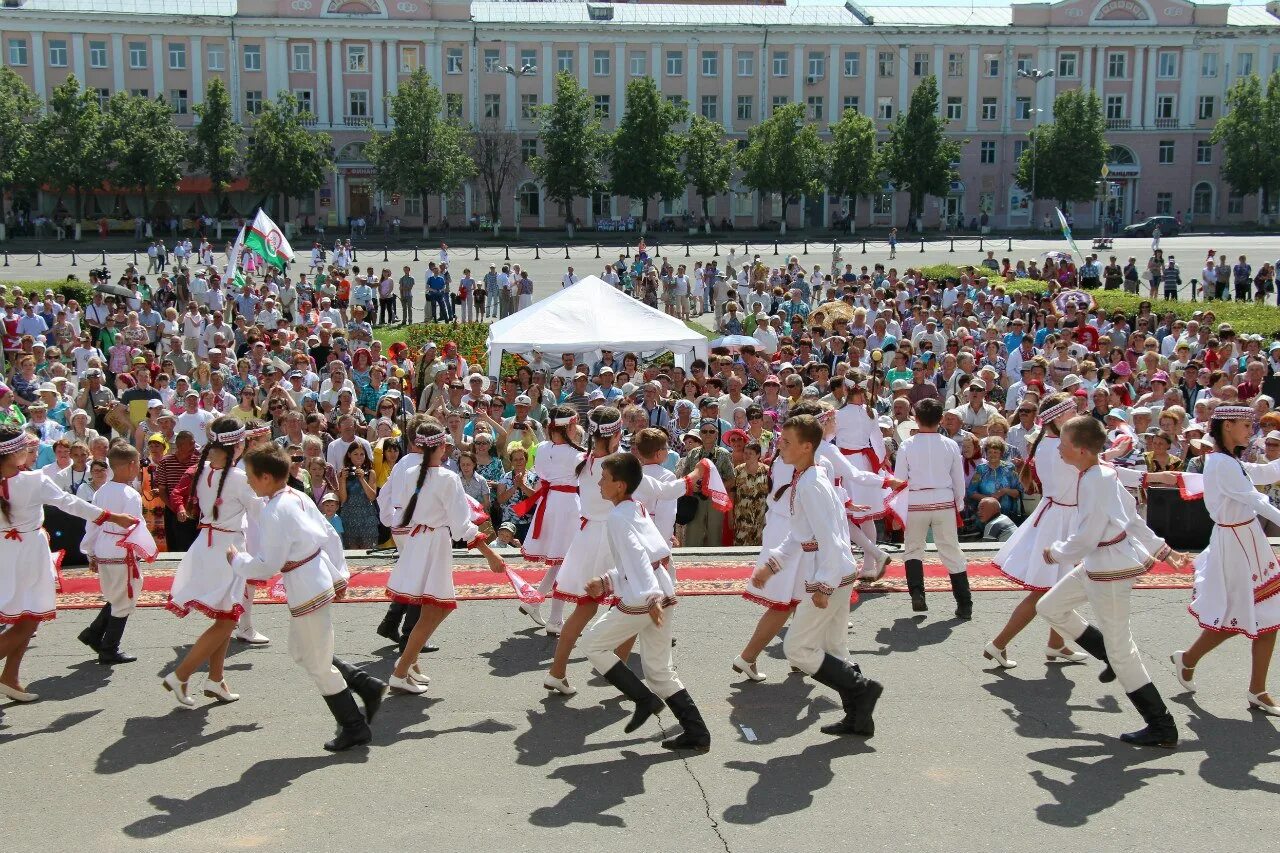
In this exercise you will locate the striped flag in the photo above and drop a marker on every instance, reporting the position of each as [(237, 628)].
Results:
[(1066, 235)]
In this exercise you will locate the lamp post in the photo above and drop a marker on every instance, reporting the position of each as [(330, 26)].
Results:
[(517, 73), (1035, 75)]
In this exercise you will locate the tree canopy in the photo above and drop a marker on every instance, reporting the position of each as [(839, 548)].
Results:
[(917, 156), (574, 146), (784, 157), (286, 159)]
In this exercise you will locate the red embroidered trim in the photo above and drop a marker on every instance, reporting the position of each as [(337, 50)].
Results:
[(6, 619), (772, 605), (1230, 630), (103, 518), (181, 610), (577, 599), (422, 600)]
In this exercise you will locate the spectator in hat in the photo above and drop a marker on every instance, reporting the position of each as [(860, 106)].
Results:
[(707, 527)]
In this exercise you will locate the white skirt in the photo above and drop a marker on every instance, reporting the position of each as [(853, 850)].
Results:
[(204, 581), (1021, 557), (423, 574), (588, 558), (1236, 583), (28, 583), (781, 591), (560, 524), (871, 496)]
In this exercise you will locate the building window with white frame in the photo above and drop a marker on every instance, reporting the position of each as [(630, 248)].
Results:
[(178, 101), (601, 63), (217, 56), (530, 201), (1165, 152), (252, 57), (1164, 204), (564, 61), (955, 108), (710, 107), (884, 109), (603, 106), (1115, 107), (137, 54), (17, 52), (492, 105), (492, 59), (357, 59), (745, 107), (57, 53), (1022, 63), (1067, 60), (1117, 65), (639, 63), (987, 152), (97, 54), (920, 64), (990, 108), (1206, 106), (992, 64), (306, 101), (104, 95), (746, 63), (1235, 204), (781, 63), (528, 59), (177, 55), (253, 101), (816, 109), (1204, 152), (413, 205), (528, 106), (852, 63), (711, 63), (453, 60), (1209, 64), (885, 61), (675, 63), (1166, 108), (1244, 64), (1022, 108), (301, 54), (778, 102), (850, 102), (409, 61), (1020, 147), (528, 150), (1167, 64), (357, 104), (140, 93), (817, 65), (955, 64)]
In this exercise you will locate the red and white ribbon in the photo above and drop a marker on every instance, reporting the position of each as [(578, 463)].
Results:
[(528, 592), (713, 487)]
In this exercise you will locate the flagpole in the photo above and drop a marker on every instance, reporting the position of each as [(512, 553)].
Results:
[(234, 261)]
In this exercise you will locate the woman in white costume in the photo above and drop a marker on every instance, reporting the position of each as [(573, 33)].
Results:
[(256, 434), (858, 436)]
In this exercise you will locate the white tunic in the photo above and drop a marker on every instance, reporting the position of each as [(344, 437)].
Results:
[(304, 546), (858, 437), (548, 542), (204, 580), (423, 573), (635, 551), (1021, 558), (818, 538), (1110, 541), (930, 463)]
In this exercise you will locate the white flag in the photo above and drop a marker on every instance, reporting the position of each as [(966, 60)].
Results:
[(233, 261), (267, 239)]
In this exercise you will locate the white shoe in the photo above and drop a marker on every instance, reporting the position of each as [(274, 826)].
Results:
[(878, 572), (1178, 666), (252, 637), (419, 676), (992, 652), (17, 695), (748, 669), (559, 685), (554, 630), (1061, 656), (219, 690), (534, 612), (405, 685), (179, 691), (1255, 701)]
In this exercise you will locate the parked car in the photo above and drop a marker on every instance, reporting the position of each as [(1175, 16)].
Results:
[(1168, 227)]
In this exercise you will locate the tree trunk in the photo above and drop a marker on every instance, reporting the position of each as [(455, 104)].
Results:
[(426, 219), (786, 208), (79, 211), (568, 216), (146, 205)]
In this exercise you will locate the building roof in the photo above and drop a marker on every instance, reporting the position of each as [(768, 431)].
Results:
[(1251, 16), (203, 9), (663, 14)]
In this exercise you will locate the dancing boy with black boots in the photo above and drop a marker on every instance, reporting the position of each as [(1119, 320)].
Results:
[(1112, 547), (642, 591), (817, 643), (305, 548), (115, 563), (931, 464)]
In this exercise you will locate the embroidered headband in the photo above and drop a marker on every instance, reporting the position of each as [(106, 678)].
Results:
[(1233, 413), (234, 436), (564, 422), (826, 415), (430, 440), (257, 432), (13, 445), (1054, 412), (606, 430)]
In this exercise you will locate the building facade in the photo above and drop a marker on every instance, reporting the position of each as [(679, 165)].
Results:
[(1161, 67)]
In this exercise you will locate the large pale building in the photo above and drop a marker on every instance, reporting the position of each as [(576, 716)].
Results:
[(1161, 67)]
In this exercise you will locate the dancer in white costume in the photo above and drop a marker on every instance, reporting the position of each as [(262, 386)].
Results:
[(858, 437), (256, 434)]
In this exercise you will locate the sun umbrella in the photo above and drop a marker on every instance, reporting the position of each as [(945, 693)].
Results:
[(735, 341), (113, 290)]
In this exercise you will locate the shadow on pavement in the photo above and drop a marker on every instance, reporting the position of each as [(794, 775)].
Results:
[(776, 709), (786, 784), (85, 677), (560, 731), (527, 650), (597, 788), (61, 724), (1234, 749), (1103, 769), (1042, 707), (150, 740), (912, 633)]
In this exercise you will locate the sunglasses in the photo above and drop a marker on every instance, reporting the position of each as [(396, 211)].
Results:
[(297, 458)]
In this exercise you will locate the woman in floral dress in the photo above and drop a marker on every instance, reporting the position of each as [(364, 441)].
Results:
[(751, 488)]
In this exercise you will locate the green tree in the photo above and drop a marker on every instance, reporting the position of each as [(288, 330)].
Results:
[(1249, 134), (784, 156), (497, 157), (917, 156), (215, 142), (574, 146), (424, 154), (145, 150), (644, 157), (854, 168), (19, 110), (285, 159), (708, 161), (1065, 158), (72, 153)]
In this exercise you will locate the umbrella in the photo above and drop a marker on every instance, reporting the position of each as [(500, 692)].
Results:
[(735, 341), (835, 310), (113, 290), (1058, 256)]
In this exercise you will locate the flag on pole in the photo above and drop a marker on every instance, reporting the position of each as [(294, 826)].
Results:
[(1066, 235), (266, 238), (232, 272)]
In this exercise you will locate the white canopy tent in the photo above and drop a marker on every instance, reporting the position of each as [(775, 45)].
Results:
[(590, 316)]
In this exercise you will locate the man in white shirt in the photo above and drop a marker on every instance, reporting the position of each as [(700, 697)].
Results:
[(569, 279), (194, 419), (978, 412), (346, 437), (566, 369), (765, 335)]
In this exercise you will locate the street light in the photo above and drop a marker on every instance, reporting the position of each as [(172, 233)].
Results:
[(1035, 75), (522, 71)]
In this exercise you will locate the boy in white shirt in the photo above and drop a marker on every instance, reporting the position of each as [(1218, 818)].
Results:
[(115, 562)]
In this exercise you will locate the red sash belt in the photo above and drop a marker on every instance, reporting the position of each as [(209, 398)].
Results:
[(130, 562), (293, 564), (1115, 541), (539, 499), (809, 547), (876, 462), (211, 528), (1044, 506)]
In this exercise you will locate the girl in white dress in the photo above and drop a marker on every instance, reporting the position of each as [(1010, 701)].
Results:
[(28, 583), (858, 437), (555, 506), (1237, 580), (256, 434), (204, 581), (435, 515)]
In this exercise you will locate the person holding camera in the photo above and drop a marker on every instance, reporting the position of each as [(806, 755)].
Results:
[(356, 496)]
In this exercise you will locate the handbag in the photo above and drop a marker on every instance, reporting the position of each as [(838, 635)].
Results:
[(687, 508)]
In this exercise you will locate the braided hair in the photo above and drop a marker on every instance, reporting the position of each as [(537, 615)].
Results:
[(1219, 443), (601, 442), (558, 412), (429, 431), (8, 432), (1026, 473), (221, 425)]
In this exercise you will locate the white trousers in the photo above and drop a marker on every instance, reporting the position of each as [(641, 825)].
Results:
[(245, 625), (113, 578), (1110, 600), (864, 537), (654, 642), (945, 537), (817, 632), (311, 647)]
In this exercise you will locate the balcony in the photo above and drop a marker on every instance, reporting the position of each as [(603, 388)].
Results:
[(1166, 124), (1118, 123), (356, 121)]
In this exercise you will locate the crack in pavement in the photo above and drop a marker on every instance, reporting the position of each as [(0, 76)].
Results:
[(706, 802)]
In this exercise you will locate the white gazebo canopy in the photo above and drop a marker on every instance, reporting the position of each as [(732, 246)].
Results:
[(590, 316)]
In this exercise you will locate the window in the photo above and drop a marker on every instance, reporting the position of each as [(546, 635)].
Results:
[(528, 106), (1235, 203), (850, 102), (491, 60), (530, 202), (409, 59), (1164, 204), (1204, 152), (920, 65), (413, 205), (990, 107), (177, 55), (602, 106), (357, 58), (955, 64), (178, 101), (301, 57), (17, 52), (745, 103), (217, 57), (528, 150), (710, 63), (601, 64), (306, 101), (453, 105), (453, 61), (710, 107), (675, 63), (1166, 107), (97, 54), (744, 204), (746, 63), (137, 54), (253, 101), (1117, 66), (104, 95), (884, 63), (140, 93), (1023, 62), (987, 152), (492, 106), (1205, 107), (992, 65), (852, 64), (884, 108), (955, 107), (1166, 152), (1166, 64), (1067, 63), (778, 101), (816, 109), (1244, 64), (253, 57), (1022, 109), (564, 61), (357, 103), (58, 53), (1115, 107), (639, 63), (676, 101), (528, 59), (817, 65), (1208, 65), (1202, 200), (1020, 147), (781, 63)]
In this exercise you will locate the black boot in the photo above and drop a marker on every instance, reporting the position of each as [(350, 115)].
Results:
[(858, 695), (370, 690), (91, 636), (695, 735), (389, 627), (964, 598), (915, 585), (109, 649), (411, 615), (1160, 730), (1091, 641), (353, 730), (630, 685)]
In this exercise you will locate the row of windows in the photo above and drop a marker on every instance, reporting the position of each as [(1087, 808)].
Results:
[(302, 59)]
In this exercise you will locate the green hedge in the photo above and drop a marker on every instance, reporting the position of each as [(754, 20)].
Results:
[(74, 289)]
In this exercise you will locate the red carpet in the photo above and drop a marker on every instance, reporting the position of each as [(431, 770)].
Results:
[(705, 577)]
